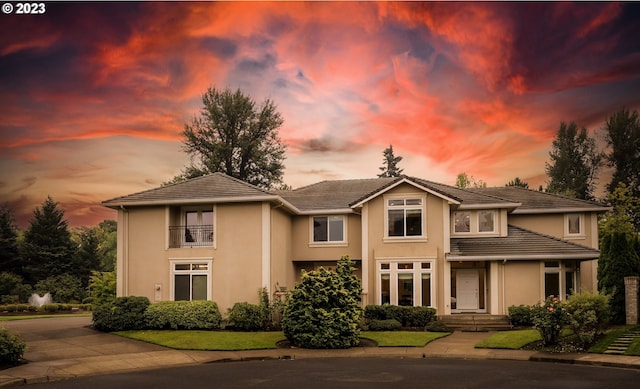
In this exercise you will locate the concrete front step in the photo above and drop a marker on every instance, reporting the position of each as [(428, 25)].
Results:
[(476, 322)]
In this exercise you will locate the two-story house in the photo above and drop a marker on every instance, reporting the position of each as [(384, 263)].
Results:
[(414, 242)]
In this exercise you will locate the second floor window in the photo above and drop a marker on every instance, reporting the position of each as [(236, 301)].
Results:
[(198, 226), (404, 217), (328, 229)]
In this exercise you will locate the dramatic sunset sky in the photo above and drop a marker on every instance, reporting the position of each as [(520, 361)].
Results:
[(94, 96)]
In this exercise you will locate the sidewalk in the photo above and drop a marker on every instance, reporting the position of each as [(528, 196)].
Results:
[(61, 349)]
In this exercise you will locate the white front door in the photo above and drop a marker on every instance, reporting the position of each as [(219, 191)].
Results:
[(467, 289)]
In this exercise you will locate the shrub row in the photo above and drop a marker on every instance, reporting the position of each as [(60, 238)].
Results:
[(11, 347), (137, 313), (44, 308), (408, 317), (586, 313)]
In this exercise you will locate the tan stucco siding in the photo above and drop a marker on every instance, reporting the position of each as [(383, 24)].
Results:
[(282, 273), (146, 264), (522, 283), (305, 250), (555, 225), (237, 260), (429, 247)]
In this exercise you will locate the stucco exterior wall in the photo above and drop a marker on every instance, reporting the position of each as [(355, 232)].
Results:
[(282, 271), (305, 250), (522, 281), (430, 247)]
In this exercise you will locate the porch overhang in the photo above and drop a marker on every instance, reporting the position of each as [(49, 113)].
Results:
[(516, 257)]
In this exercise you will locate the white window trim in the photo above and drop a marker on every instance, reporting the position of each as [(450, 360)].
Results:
[(200, 208), (561, 270), (474, 220), (408, 196), (579, 235), (172, 272), (417, 272), (341, 243)]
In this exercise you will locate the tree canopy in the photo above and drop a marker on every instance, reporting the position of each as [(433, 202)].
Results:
[(574, 162), (518, 182), (235, 136), (623, 138), (464, 181), (390, 162)]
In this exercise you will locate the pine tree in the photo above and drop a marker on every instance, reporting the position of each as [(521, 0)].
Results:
[(48, 249), (518, 182), (390, 162), (9, 255)]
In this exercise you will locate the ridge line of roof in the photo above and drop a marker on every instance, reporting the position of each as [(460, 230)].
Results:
[(592, 202)]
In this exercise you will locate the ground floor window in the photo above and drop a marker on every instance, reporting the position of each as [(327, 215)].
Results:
[(560, 278), (403, 282), (191, 280)]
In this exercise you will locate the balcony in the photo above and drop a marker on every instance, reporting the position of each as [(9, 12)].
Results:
[(190, 236)]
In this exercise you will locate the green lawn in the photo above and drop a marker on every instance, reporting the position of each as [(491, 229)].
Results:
[(26, 317), (512, 340), (234, 341), (634, 348), (208, 340), (402, 338), (610, 336)]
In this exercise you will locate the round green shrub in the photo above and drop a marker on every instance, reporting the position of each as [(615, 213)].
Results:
[(384, 325), (324, 310), (520, 316), (123, 313), (248, 317), (183, 315), (11, 347)]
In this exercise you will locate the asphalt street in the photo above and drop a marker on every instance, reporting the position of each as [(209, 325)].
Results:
[(370, 373)]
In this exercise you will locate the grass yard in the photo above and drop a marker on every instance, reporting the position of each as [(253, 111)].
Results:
[(27, 317), (609, 337), (402, 338), (236, 341), (208, 340), (634, 348), (511, 340)]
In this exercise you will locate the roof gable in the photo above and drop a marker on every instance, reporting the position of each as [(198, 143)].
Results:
[(216, 186)]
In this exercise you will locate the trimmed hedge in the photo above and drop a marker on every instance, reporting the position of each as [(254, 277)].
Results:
[(248, 317), (384, 325), (520, 316), (409, 317), (11, 347), (183, 315), (123, 313)]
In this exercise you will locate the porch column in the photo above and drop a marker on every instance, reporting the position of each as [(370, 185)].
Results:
[(447, 288), (364, 263), (494, 270), (631, 298)]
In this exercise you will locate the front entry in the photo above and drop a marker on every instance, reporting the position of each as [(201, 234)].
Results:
[(467, 289)]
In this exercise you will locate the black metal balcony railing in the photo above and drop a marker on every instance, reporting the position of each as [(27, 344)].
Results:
[(190, 236)]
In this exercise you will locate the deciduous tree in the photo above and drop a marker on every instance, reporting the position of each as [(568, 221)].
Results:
[(235, 136), (574, 162), (623, 138)]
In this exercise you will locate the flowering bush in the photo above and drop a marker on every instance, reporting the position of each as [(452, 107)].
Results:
[(548, 318)]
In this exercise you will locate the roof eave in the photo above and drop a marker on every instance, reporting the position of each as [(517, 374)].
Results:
[(493, 205), (231, 199), (510, 257), (537, 211)]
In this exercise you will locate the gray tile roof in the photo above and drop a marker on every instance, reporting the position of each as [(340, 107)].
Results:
[(334, 195), (216, 186), (465, 196), (519, 244), (533, 200)]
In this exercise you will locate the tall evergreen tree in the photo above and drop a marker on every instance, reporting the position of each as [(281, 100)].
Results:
[(47, 249), (9, 255), (234, 136), (390, 162), (574, 163), (618, 259), (623, 138)]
